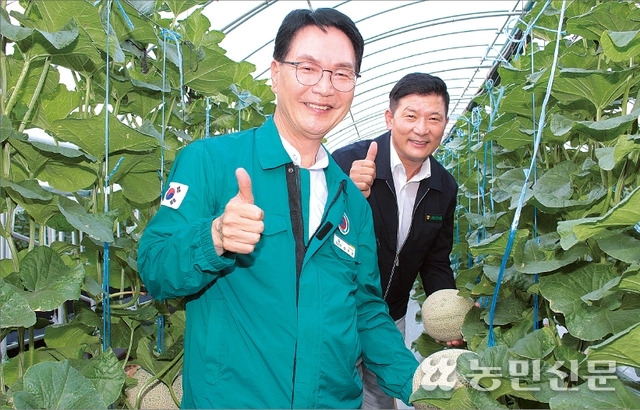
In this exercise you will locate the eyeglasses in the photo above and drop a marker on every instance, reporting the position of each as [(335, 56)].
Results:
[(308, 73)]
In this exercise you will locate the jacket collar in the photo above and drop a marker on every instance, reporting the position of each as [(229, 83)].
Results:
[(271, 152), (383, 166)]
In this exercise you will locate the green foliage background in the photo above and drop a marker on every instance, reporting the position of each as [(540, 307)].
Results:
[(576, 243), (167, 76)]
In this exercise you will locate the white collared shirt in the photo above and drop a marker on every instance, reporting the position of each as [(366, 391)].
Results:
[(317, 181), (406, 191)]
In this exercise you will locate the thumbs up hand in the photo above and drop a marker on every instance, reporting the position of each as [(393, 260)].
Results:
[(239, 227), (363, 171)]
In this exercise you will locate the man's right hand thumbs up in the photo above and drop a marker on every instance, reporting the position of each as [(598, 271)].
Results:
[(239, 228), (363, 171)]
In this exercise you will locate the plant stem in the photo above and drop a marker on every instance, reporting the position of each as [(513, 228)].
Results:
[(157, 376), (14, 95), (32, 345), (87, 93), (32, 234), (36, 94)]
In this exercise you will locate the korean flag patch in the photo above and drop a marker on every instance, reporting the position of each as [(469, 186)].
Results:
[(174, 195)]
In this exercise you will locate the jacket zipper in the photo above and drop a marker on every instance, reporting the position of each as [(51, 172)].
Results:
[(295, 352), (396, 259)]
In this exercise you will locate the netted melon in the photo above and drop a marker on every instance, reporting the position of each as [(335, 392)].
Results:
[(443, 313), (156, 395), (438, 370)]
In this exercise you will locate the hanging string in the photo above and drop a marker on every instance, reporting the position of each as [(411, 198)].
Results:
[(536, 144), (494, 104), (106, 299), (124, 14), (536, 301), (175, 37)]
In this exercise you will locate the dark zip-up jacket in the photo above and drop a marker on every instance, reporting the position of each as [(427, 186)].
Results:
[(430, 239)]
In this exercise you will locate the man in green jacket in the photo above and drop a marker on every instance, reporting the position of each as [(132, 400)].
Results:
[(273, 246)]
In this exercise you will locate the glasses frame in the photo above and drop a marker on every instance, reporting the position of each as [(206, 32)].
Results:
[(296, 64)]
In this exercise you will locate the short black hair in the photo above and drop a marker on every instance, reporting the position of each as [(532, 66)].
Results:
[(321, 18), (420, 84)]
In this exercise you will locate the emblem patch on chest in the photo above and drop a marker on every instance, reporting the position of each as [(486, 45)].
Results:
[(344, 225)]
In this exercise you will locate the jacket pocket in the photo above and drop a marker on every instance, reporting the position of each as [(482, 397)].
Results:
[(216, 347), (275, 223)]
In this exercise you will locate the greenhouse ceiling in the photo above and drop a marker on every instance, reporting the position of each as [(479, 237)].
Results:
[(459, 41)]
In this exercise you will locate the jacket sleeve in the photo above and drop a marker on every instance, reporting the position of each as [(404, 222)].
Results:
[(383, 348), (176, 256), (436, 272)]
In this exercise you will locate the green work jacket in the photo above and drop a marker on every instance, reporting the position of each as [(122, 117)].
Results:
[(258, 334)]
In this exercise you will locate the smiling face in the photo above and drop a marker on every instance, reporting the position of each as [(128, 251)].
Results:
[(305, 114), (417, 127)]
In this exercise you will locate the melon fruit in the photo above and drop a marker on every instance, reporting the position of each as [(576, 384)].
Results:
[(438, 369), (156, 395), (443, 313)]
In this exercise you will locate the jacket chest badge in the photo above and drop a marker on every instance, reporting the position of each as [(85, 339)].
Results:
[(344, 225), (344, 246), (429, 217)]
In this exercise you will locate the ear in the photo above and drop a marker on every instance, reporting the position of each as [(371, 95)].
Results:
[(388, 117), (275, 70)]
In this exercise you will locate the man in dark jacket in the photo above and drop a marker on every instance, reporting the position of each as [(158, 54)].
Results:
[(413, 199)]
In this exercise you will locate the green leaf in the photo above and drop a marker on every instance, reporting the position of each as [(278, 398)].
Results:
[(536, 345), (64, 37), (49, 282), (565, 293), (564, 290), (56, 107), (14, 308), (544, 254), (600, 87), (88, 134), (593, 322), (138, 176), (599, 293), (619, 245), (98, 226), (611, 394), (496, 244), (57, 386), (604, 16), (214, 74), (425, 345), (62, 151), (179, 6), (68, 176), (621, 348), (625, 214), (11, 32), (458, 399), (509, 135), (7, 131), (602, 131), (631, 282), (27, 189), (71, 334), (106, 373), (509, 309), (55, 11), (620, 45)]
